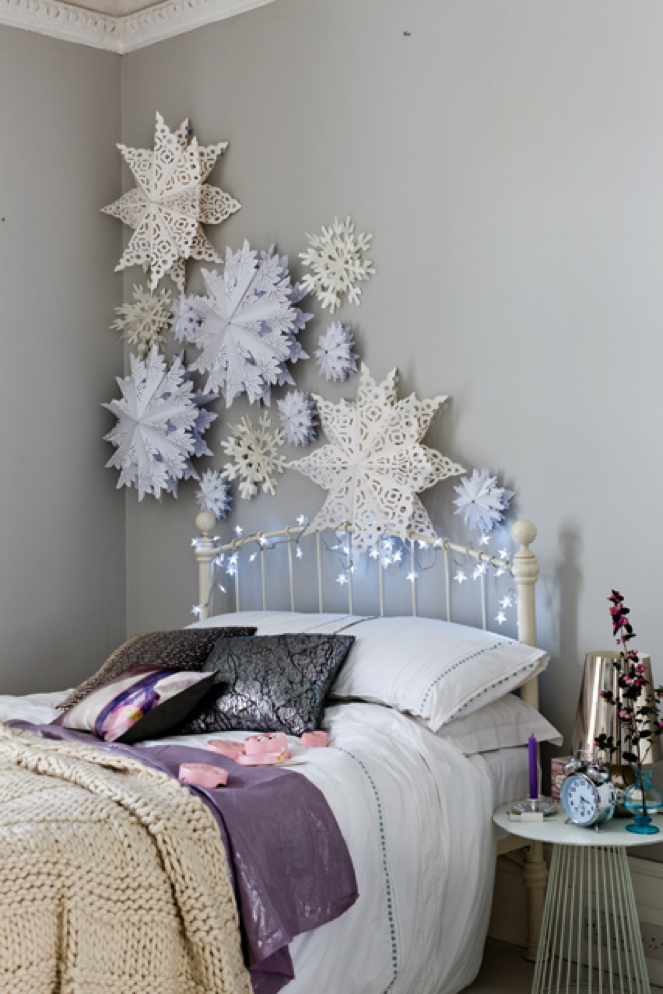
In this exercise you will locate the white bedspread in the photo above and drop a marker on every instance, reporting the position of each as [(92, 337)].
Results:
[(416, 816)]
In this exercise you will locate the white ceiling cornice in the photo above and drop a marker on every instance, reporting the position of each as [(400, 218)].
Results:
[(119, 33)]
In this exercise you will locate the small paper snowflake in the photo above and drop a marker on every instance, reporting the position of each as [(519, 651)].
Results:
[(337, 264), (213, 494), (255, 451), (159, 427), (185, 318), (334, 353), (170, 203), (297, 415), (143, 322), (481, 500), (248, 324)]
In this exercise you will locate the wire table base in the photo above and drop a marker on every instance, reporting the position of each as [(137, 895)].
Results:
[(590, 936)]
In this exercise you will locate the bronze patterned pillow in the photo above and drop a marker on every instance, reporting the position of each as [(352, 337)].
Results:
[(181, 649)]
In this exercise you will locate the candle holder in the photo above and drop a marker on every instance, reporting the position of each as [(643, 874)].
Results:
[(534, 805)]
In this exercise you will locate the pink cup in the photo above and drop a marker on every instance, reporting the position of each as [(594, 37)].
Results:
[(203, 775)]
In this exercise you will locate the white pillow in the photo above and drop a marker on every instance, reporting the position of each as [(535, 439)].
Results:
[(503, 724), (433, 669)]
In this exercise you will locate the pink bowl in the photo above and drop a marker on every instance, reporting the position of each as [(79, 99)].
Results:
[(315, 740), (225, 747), (270, 742)]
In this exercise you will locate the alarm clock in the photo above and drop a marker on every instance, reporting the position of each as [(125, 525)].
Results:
[(588, 795)]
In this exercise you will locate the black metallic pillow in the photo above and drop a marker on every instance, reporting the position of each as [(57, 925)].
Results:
[(269, 683), (181, 649)]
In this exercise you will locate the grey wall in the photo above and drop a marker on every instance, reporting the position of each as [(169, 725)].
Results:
[(62, 588), (508, 159)]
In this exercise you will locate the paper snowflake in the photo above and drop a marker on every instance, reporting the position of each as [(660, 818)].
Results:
[(170, 203), (481, 500), (336, 260), (249, 324), (297, 415), (334, 353), (213, 494), (374, 465), (159, 426), (255, 453), (143, 322), (185, 318)]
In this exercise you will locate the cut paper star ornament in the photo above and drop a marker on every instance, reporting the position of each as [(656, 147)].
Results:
[(159, 426), (170, 203), (375, 465), (246, 326)]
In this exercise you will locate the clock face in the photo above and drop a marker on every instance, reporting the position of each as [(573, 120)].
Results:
[(580, 799)]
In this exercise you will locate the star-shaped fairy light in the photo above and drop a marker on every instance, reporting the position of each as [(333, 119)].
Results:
[(170, 203), (375, 465)]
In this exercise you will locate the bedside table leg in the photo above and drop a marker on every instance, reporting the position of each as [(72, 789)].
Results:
[(535, 878), (590, 937)]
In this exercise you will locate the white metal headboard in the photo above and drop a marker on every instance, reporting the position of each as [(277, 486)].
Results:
[(523, 568)]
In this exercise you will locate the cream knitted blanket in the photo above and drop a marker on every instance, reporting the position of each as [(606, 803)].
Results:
[(112, 878)]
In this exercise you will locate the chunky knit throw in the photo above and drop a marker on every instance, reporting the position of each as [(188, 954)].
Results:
[(112, 878)]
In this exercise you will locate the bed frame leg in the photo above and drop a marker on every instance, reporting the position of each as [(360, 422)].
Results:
[(535, 877)]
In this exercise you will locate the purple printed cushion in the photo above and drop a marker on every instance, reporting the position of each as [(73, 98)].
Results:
[(144, 702), (179, 649)]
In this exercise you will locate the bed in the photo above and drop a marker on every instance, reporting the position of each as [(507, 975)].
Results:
[(416, 763)]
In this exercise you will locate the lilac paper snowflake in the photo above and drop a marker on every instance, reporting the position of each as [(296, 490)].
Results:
[(297, 415), (334, 353), (185, 319), (213, 494), (481, 500), (249, 324), (160, 424)]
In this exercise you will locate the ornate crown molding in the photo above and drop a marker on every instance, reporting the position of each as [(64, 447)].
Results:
[(119, 33)]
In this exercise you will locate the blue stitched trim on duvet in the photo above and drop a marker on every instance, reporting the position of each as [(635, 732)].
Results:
[(450, 669), (383, 846)]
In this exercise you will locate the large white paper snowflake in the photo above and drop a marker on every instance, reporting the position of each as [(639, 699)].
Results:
[(374, 465), (297, 416), (247, 325), (159, 426), (337, 263), (143, 322), (334, 353), (170, 203), (254, 450), (213, 494), (481, 500)]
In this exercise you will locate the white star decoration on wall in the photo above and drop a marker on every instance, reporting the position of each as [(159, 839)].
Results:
[(170, 203), (374, 465)]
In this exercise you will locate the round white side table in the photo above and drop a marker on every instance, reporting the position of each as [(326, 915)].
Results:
[(590, 936)]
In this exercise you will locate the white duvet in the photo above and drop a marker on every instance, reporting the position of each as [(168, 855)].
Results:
[(416, 815)]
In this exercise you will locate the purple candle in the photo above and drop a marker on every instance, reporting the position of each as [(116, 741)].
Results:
[(533, 768)]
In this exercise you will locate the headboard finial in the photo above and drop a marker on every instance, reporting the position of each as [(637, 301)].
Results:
[(205, 522), (523, 532)]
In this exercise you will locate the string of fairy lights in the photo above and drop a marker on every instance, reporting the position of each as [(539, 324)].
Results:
[(413, 557)]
